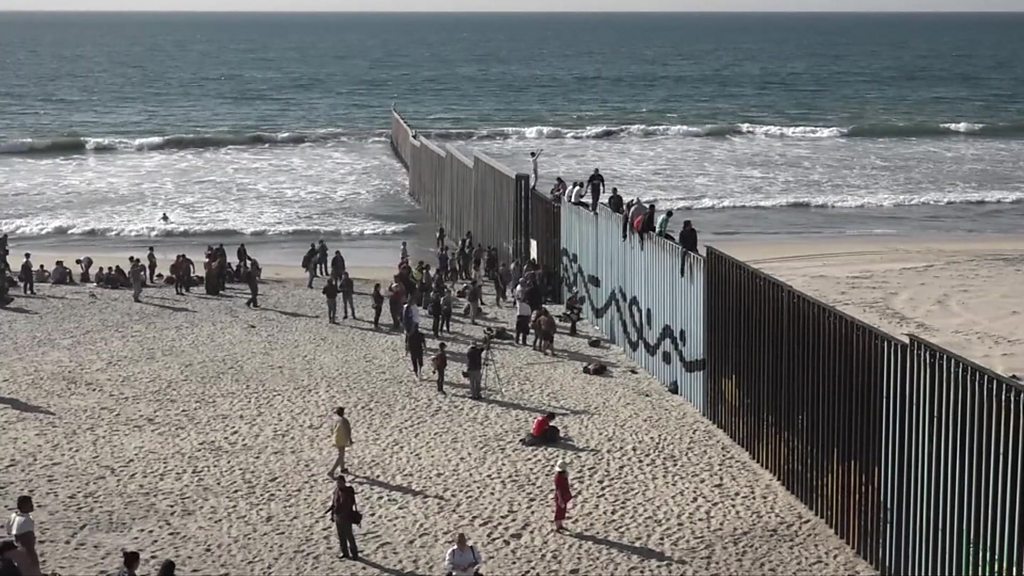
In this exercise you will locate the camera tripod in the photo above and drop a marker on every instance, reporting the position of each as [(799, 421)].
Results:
[(490, 367)]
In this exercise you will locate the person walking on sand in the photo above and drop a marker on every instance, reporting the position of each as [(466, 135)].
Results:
[(416, 344), (137, 274), (440, 363), (151, 261), (28, 283), (309, 264), (342, 431), (563, 494), (474, 295), (252, 278), (345, 514), (347, 289), (242, 254), (378, 304), (331, 293), (462, 559), (22, 528)]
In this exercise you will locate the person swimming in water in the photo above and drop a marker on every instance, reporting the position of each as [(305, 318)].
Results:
[(164, 218)]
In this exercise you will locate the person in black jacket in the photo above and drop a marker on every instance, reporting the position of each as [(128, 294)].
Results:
[(416, 343), (242, 254), (688, 240), (615, 201), (343, 512), (331, 293)]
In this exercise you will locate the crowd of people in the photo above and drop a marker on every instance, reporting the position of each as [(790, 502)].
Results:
[(461, 273), (637, 218)]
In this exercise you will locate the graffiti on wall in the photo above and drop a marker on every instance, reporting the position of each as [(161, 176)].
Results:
[(631, 316)]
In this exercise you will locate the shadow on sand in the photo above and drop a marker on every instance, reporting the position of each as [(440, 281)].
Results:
[(20, 406)]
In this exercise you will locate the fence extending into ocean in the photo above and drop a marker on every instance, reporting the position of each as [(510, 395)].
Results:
[(911, 453)]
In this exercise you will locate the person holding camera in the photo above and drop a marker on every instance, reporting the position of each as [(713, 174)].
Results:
[(474, 370)]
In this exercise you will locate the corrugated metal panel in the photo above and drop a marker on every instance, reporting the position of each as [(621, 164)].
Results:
[(636, 296)]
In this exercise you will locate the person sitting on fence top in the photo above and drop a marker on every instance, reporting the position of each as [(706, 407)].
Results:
[(559, 189), (615, 201), (577, 194), (662, 229), (688, 237)]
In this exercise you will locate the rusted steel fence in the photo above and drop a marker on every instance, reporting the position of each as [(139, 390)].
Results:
[(638, 297), (477, 195), (912, 454)]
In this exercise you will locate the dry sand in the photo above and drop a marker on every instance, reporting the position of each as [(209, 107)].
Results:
[(196, 429), (964, 293)]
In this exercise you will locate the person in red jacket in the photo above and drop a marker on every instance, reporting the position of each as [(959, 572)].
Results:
[(543, 431), (563, 495)]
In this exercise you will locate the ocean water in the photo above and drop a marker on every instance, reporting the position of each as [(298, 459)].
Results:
[(274, 126)]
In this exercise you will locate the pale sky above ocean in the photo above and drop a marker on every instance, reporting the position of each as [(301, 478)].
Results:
[(516, 5)]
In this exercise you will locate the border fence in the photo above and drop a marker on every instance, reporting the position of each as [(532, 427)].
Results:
[(912, 454), (478, 195)]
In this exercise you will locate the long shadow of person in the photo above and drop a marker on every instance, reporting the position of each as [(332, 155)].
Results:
[(639, 551)]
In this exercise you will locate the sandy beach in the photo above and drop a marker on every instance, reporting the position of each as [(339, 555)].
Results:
[(196, 429), (963, 293)]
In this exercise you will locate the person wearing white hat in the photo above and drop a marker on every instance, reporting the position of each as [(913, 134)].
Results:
[(563, 494)]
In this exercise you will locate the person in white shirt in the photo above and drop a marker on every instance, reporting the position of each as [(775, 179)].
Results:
[(23, 529), (576, 195), (534, 156), (462, 559), (523, 312)]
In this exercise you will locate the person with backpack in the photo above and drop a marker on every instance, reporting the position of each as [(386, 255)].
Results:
[(345, 514), (462, 559), (331, 293), (309, 264)]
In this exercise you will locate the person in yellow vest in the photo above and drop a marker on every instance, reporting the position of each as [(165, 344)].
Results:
[(342, 439)]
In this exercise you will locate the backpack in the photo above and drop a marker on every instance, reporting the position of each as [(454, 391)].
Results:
[(306, 260)]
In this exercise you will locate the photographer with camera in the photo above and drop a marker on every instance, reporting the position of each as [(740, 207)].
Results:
[(474, 370)]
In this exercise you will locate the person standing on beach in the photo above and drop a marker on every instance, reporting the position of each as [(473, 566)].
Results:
[(22, 528), (151, 260), (321, 258), (474, 370), (440, 363), (348, 290), (343, 513), (252, 278), (28, 283), (342, 431), (405, 252), (596, 185), (337, 265), (189, 269), (447, 302), (563, 494), (502, 280), (474, 295), (378, 304), (331, 293), (523, 312), (436, 312), (416, 343), (534, 157), (441, 237), (242, 254), (396, 297), (137, 274)]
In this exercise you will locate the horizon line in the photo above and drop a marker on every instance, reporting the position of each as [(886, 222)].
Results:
[(767, 11)]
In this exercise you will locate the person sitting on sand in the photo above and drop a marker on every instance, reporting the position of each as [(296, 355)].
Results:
[(129, 564), (61, 274), (462, 559), (118, 279), (41, 275), (573, 311), (101, 277), (543, 432)]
